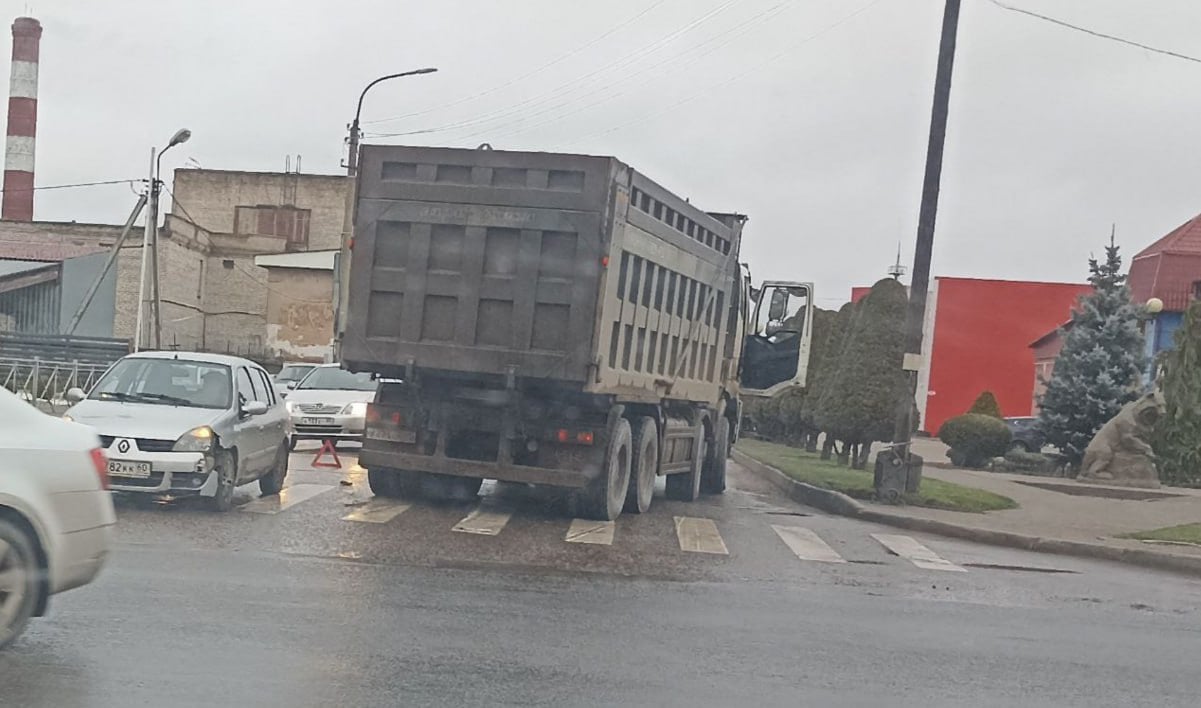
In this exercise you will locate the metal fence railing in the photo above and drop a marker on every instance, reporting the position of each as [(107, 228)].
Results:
[(45, 383)]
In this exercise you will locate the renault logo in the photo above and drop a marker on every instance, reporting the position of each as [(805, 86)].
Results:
[(123, 446)]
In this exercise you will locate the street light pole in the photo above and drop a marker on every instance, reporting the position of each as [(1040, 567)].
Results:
[(342, 267), (920, 282), (150, 248)]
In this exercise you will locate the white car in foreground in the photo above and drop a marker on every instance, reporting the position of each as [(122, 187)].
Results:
[(56, 515)]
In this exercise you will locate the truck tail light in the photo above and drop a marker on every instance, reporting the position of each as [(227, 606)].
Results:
[(100, 462), (577, 437)]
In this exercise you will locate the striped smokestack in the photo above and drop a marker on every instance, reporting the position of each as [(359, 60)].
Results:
[(22, 121)]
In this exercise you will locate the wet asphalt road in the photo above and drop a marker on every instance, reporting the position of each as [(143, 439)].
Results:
[(292, 605)]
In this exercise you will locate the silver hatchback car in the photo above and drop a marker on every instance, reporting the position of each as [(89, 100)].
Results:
[(187, 424)]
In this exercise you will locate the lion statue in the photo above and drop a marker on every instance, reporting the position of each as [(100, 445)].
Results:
[(1120, 453)]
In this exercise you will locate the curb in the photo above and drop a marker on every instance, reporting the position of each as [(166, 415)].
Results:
[(842, 505)]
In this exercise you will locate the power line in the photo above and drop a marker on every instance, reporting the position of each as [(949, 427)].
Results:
[(1094, 33), (77, 184), (561, 58)]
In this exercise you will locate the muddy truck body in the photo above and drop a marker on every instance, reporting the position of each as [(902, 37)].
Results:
[(557, 320)]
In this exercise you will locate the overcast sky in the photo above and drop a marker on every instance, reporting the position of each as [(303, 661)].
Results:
[(810, 116)]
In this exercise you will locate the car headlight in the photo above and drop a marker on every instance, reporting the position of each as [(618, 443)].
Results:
[(355, 409), (67, 417), (195, 440), (289, 405)]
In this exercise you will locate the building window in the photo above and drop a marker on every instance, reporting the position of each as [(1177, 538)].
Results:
[(286, 222)]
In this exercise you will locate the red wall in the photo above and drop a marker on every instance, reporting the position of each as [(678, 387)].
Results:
[(982, 335)]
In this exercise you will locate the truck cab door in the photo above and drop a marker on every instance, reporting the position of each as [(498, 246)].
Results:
[(775, 353)]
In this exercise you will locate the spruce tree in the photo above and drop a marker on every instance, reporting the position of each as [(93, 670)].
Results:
[(859, 401), (1178, 436), (986, 404), (1100, 367)]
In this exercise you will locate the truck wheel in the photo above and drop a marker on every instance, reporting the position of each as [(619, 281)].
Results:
[(713, 478), (607, 494), (18, 581), (409, 483), (643, 466), (686, 486), (384, 482)]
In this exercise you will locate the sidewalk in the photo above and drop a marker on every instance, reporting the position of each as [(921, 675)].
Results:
[(1047, 519)]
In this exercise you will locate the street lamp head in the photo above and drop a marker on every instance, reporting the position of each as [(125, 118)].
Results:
[(181, 136), (1154, 306), (427, 70)]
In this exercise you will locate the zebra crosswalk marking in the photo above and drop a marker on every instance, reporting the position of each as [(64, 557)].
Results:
[(587, 531), (699, 536), (286, 499), (483, 523), (909, 549), (377, 511), (807, 545)]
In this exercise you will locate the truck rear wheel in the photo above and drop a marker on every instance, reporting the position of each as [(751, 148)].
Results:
[(384, 482), (450, 487), (604, 499), (686, 486), (643, 466), (713, 478)]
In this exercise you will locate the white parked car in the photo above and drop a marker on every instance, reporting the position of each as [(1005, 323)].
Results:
[(330, 404), (180, 424), (289, 375), (56, 517)]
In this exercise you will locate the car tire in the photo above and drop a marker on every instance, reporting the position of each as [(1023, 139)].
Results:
[(713, 476), (273, 482), (606, 496), (19, 572), (643, 466), (292, 443), (226, 468)]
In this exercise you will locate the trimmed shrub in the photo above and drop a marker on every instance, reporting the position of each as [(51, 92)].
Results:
[(974, 438), (986, 404)]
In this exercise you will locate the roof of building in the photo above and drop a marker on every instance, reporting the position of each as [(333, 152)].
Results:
[(9, 266), (1168, 268), (1052, 334), (305, 260)]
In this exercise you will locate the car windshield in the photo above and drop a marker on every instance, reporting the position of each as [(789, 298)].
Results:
[(333, 378), (168, 382), (293, 372)]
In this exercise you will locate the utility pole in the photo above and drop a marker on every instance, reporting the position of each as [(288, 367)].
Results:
[(156, 299), (920, 282), (140, 325)]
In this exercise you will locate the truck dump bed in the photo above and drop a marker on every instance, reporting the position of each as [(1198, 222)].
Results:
[(535, 265)]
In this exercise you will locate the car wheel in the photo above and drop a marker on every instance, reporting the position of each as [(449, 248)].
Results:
[(291, 443), (226, 470), (18, 581), (273, 482)]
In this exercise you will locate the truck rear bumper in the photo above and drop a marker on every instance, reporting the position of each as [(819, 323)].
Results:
[(572, 479)]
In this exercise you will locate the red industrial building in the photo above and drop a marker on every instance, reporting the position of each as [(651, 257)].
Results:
[(977, 338)]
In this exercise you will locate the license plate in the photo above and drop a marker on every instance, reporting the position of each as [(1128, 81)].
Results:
[(119, 468), (397, 436), (316, 421)]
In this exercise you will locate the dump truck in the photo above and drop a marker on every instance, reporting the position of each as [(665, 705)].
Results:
[(554, 319)]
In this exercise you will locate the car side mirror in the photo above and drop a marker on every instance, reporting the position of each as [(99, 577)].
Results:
[(254, 408), (291, 385), (75, 395)]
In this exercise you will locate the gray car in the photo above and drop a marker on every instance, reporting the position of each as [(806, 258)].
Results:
[(179, 424), (330, 404)]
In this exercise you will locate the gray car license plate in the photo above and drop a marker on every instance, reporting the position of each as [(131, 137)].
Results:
[(316, 421)]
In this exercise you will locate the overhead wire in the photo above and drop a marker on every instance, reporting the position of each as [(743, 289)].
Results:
[(558, 60), (566, 87), (1095, 33), (70, 186)]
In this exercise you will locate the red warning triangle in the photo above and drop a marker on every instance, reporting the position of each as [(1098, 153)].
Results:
[(327, 448)]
